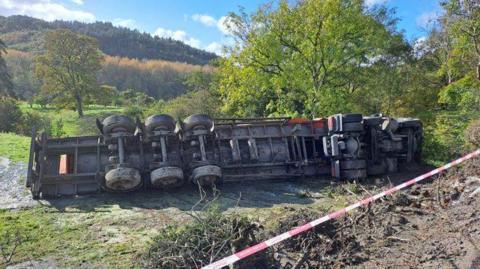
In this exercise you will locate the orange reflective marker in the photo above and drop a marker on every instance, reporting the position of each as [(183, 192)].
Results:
[(63, 168)]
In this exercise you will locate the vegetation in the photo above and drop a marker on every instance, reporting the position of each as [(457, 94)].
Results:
[(207, 238), (316, 58), (343, 57), (5, 79), (281, 66), (14, 147), (26, 34), (69, 68)]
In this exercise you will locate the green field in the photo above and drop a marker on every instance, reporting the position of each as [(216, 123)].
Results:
[(16, 147), (72, 124)]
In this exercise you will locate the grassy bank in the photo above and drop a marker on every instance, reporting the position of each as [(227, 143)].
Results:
[(14, 147)]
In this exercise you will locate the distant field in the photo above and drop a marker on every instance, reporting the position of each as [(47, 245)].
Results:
[(72, 124), (16, 147)]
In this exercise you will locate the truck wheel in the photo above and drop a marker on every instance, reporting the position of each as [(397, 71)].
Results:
[(164, 121), (206, 175), (353, 164), (198, 120), (117, 123), (167, 177), (122, 179)]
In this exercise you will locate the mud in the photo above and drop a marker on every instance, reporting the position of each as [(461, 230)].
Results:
[(433, 225), (13, 193)]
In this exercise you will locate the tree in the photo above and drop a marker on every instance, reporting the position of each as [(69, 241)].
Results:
[(6, 85), (105, 95), (462, 20), (304, 58), (69, 67)]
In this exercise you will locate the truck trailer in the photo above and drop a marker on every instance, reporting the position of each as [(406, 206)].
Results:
[(163, 153)]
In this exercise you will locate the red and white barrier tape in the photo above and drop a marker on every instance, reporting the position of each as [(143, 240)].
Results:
[(279, 238)]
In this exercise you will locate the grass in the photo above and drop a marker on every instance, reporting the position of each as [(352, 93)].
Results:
[(72, 124), (70, 240), (14, 147)]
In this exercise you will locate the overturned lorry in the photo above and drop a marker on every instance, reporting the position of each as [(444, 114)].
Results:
[(162, 153)]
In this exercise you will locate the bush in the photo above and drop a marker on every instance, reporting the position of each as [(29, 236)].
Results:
[(34, 120), (57, 128), (10, 115), (210, 236), (134, 111), (472, 134)]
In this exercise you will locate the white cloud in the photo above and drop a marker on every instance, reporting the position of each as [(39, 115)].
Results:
[(78, 2), (178, 35), (43, 9), (204, 19), (225, 25), (370, 3), (127, 23), (427, 20), (215, 47)]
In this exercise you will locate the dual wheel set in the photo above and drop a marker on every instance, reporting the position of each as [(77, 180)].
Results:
[(153, 151)]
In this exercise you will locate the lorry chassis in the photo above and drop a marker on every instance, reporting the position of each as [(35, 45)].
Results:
[(162, 153)]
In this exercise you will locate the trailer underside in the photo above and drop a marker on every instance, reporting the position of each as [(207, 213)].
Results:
[(161, 153)]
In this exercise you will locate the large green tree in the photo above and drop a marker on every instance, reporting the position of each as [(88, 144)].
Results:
[(305, 58), (69, 67), (461, 25), (5, 79)]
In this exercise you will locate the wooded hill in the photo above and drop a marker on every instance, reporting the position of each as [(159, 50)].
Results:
[(25, 33), (157, 78)]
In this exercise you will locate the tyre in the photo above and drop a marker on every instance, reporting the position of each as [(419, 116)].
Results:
[(353, 164), (352, 117), (167, 177), (353, 174), (122, 179), (206, 175), (198, 120), (118, 123), (353, 127), (162, 121)]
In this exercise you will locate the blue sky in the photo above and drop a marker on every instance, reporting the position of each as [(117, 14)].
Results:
[(195, 22)]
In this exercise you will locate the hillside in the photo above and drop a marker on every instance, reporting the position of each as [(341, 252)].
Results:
[(26, 34), (157, 78)]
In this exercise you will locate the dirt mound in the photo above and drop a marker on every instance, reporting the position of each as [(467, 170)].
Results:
[(433, 225)]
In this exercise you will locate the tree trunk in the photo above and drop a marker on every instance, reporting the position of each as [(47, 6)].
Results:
[(78, 98), (478, 70)]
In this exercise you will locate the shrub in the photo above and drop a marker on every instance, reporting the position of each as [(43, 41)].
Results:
[(34, 120), (472, 134), (10, 114), (57, 128), (134, 111), (208, 237)]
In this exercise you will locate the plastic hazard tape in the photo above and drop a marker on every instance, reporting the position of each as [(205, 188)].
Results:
[(298, 230)]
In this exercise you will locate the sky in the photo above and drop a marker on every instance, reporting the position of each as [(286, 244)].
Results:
[(199, 23)]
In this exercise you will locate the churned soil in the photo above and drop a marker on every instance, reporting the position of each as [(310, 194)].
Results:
[(432, 225)]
